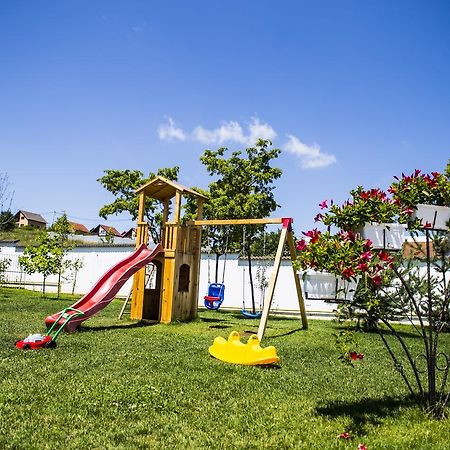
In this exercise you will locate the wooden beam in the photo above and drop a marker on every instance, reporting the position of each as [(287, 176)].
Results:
[(236, 222)]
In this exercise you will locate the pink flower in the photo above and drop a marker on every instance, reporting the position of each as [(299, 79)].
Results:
[(362, 447), (344, 436), (313, 234), (367, 256), (323, 204), (409, 211), (301, 245)]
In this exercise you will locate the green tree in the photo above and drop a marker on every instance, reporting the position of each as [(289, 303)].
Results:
[(60, 232), (123, 184), (243, 189), (7, 221), (45, 257)]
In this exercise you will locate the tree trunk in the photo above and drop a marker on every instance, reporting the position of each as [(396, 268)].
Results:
[(43, 286), (250, 275), (59, 284), (74, 281)]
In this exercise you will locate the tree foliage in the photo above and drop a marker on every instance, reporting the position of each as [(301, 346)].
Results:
[(47, 257), (243, 189), (44, 258), (123, 184), (7, 221)]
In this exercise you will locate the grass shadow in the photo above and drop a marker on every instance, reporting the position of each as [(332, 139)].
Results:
[(364, 412), (287, 333), (212, 320), (142, 323), (269, 366), (383, 331)]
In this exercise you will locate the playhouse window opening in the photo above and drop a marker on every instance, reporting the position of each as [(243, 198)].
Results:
[(183, 280)]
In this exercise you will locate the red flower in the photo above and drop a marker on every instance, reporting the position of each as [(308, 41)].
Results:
[(428, 225), (348, 273), (301, 245), (376, 279), (384, 256), (344, 436), (409, 211), (354, 356), (323, 204), (362, 267), (368, 244), (362, 447)]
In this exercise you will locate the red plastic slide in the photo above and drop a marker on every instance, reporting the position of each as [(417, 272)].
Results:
[(108, 286)]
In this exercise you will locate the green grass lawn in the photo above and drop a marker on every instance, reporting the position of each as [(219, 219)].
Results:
[(120, 384)]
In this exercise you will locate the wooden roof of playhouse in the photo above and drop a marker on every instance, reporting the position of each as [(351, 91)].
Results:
[(161, 188)]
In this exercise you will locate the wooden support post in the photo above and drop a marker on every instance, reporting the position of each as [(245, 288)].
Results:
[(301, 300), (286, 234)]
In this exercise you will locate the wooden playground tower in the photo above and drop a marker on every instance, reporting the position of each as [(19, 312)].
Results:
[(175, 294)]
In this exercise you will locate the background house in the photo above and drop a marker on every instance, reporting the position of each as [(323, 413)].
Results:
[(104, 230), (131, 233), (78, 228), (26, 218)]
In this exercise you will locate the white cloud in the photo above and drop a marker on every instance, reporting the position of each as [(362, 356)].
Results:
[(310, 157), (259, 130), (230, 131), (227, 132), (171, 132)]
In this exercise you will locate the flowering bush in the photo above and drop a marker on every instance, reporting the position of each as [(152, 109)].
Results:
[(344, 254), (373, 206), (411, 190)]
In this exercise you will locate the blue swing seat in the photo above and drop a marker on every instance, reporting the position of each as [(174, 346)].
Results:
[(215, 295), (250, 315)]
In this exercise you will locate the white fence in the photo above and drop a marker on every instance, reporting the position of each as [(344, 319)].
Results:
[(97, 260)]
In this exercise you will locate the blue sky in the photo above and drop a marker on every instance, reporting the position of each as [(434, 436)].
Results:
[(353, 92)]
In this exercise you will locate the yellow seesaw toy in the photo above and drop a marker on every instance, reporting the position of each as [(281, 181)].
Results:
[(235, 352)]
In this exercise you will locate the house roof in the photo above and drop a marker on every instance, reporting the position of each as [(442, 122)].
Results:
[(31, 216), (78, 227), (161, 188), (129, 232), (107, 228)]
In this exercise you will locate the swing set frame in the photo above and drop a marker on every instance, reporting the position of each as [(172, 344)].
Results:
[(286, 236)]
